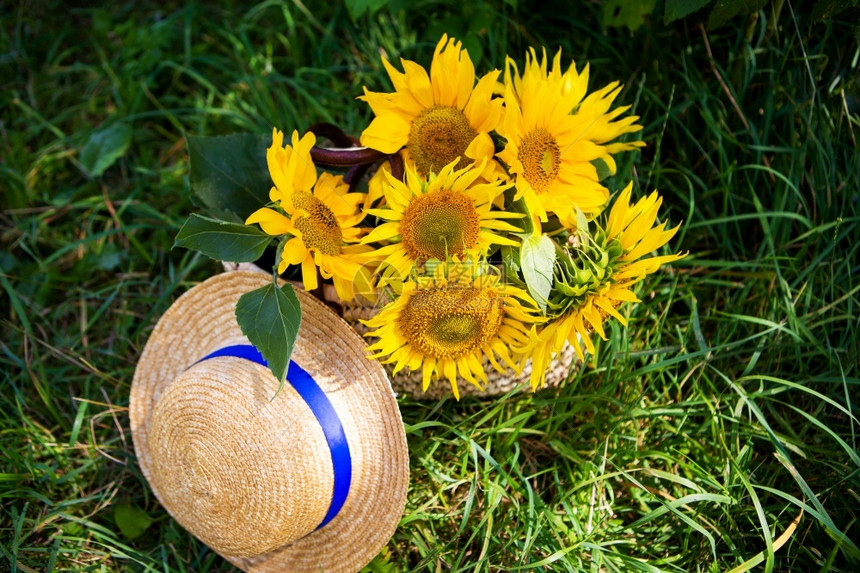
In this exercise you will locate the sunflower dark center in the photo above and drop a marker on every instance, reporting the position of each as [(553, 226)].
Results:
[(438, 136), (451, 321), (320, 228), (438, 224), (539, 154)]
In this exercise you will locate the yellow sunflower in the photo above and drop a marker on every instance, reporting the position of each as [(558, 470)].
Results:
[(445, 324), (629, 234), (438, 118), (553, 135), (447, 215), (321, 216)]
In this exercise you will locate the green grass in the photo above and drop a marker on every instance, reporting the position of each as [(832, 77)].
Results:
[(717, 431)]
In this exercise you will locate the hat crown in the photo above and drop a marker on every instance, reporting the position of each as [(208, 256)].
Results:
[(254, 471), (230, 463)]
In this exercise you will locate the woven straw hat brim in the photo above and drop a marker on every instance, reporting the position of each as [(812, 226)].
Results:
[(201, 321)]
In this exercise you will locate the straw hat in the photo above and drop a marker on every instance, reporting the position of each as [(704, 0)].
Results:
[(312, 478)]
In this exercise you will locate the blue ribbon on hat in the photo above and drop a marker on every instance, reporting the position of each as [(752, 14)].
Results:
[(315, 397)]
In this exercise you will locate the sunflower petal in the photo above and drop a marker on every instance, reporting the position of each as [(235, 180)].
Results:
[(272, 222)]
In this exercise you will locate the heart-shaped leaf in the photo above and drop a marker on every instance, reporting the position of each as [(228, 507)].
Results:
[(270, 317), (104, 147), (229, 175), (131, 520)]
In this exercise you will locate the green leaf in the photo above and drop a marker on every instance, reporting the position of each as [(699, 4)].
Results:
[(131, 520), (677, 9), (511, 260), (270, 317), (603, 171), (725, 10), (357, 8), (110, 257), (104, 147), (511, 266), (229, 175), (526, 222), (223, 241), (630, 13), (381, 563), (537, 257)]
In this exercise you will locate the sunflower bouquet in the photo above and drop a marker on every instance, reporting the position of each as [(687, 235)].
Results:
[(470, 211)]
